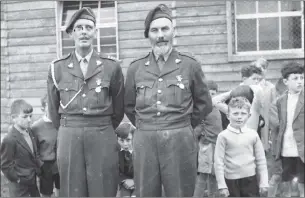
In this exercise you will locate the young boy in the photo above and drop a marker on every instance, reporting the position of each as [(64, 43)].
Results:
[(207, 132), (239, 153), (46, 136), (19, 158), (124, 134), (288, 117)]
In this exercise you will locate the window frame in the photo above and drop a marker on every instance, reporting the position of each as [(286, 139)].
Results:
[(270, 54), (60, 28)]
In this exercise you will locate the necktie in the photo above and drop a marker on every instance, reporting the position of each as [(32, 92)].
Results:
[(84, 66), (161, 62)]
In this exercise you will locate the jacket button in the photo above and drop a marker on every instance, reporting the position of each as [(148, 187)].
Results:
[(85, 109), (158, 114), (160, 79), (84, 95), (66, 89), (159, 91), (158, 102)]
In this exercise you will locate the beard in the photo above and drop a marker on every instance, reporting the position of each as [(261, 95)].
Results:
[(161, 50)]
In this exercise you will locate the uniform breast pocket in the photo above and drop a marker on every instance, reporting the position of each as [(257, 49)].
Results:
[(99, 93), (144, 93), (179, 93), (67, 91)]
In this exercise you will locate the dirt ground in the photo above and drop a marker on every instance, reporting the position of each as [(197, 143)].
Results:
[(5, 191)]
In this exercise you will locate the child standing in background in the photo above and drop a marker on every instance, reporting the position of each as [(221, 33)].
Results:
[(207, 133), (288, 117), (46, 137)]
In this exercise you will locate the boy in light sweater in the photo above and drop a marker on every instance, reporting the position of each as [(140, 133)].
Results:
[(239, 155)]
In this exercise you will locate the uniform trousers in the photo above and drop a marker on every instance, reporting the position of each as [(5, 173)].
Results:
[(165, 157), (87, 157)]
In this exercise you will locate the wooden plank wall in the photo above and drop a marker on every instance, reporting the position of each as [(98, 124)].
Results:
[(30, 47), (4, 68)]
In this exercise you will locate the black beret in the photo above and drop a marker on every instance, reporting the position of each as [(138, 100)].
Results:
[(161, 11), (84, 13)]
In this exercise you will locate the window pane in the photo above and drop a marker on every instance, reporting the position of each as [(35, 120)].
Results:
[(107, 12), (92, 4), (107, 31), (69, 8), (269, 34), (267, 6), (245, 7), (246, 35), (108, 41), (291, 5), (291, 32)]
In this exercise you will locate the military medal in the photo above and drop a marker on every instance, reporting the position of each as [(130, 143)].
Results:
[(180, 84), (70, 65), (98, 82)]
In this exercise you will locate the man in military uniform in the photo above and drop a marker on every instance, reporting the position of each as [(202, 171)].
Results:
[(85, 97), (165, 98)]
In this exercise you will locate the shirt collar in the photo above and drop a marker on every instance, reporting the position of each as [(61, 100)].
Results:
[(23, 132), (165, 55), (79, 57), (232, 129), (294, 94), (130, 151)]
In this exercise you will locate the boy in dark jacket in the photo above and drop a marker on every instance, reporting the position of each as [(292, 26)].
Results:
[(19, 159), (46, 136), (125, 133)]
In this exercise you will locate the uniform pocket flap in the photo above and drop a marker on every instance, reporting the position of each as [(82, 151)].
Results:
[(68, 86), (143, 84), (102, 84), (185, 82)]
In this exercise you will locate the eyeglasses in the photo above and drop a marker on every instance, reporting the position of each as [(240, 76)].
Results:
[(79, 28)]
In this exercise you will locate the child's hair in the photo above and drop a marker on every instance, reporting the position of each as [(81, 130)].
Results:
[(291, 68), (243, 91), (20, 106), (261, 62), (249, 70), (124, 129), (239, 102), (43, 102), (212, 85)]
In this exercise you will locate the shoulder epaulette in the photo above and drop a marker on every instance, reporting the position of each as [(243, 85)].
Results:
[(53, 69), (62, 58), (109, 57), (142, 57), (188, 54)]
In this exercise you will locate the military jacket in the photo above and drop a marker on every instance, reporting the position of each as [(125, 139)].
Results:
[(178, 92), (100, 93)]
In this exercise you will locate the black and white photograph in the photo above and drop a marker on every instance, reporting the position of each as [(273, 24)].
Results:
[(196, 98)]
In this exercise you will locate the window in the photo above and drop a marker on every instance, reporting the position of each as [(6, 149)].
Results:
[(273, 29), (106, 40)]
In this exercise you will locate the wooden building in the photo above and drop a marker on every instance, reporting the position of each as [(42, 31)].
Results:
[(222, 35)]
